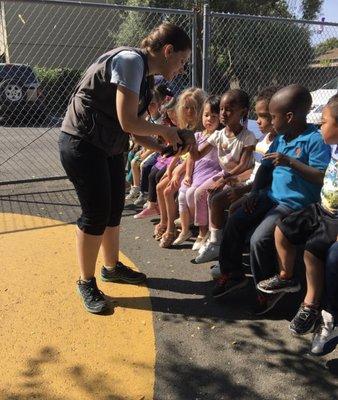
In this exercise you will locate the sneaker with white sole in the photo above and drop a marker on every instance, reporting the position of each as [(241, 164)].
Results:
[(93, 299), (200, 241), (210, 252), (215, 271), (133, 193), (276, 284), (325, 338), (226, 284), (267, 302), (147, 213), (142, 199), (304, 321)]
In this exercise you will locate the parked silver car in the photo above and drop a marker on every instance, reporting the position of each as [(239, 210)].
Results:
[(320, 98)]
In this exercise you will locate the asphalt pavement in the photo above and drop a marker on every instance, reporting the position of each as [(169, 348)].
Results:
[(205, 349)]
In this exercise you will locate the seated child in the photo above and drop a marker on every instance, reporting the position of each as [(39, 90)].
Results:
[(219, 202), (289, 179), (142, 154), (235, 145), (168, 117), (158, 169), (325, 338), (316, 227), (189, 116), (236, 194), (197, 173)]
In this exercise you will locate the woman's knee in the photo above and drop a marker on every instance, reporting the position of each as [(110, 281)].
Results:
[(94, 223)]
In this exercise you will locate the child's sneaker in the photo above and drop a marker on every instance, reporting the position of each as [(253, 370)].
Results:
[(147, 213), (304, 321), (278, 285), (325, 338), (210, 252), (226, 284), (200, 241), (215, 271), (266, 303), (134, 193), (92, 298), (142, 199), (122, 273)]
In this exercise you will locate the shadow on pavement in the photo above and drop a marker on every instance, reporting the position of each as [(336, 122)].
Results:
[(35, 380)]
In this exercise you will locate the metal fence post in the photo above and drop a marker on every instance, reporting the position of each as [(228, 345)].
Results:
[(194, 48), (206, 41)]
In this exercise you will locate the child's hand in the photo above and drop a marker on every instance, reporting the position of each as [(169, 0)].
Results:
[(175, 182), (278, 159), (187, 180), (250, 203), (217, 186), (231, 181)]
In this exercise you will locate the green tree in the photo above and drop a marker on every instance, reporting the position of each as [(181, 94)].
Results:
[(311, 8), (326, 46), (243, 52)]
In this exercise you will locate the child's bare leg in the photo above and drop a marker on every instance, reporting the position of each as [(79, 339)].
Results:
[(171, 208), (315, 274), (203, 230), (185, 221), (161, 201), (135, 168), (286, 254)]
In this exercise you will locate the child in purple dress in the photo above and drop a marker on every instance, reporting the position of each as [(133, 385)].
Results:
[(198, 172)]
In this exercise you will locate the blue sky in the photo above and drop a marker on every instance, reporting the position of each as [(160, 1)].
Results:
[(330, 10)]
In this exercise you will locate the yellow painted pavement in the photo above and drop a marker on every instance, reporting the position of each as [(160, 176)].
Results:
[(50, 347)]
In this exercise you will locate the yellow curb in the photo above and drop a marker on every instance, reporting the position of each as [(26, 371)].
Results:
[(50, 347)]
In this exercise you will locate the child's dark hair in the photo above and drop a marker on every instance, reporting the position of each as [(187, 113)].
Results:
[(161, 91), (333, 105), (267, 93), (240, 98), (213, 101)]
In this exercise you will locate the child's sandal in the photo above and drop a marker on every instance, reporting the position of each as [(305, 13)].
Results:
[(159, 231), (167, 239)]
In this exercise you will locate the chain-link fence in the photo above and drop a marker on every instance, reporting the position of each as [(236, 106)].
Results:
[(45, 46), (254, 52)]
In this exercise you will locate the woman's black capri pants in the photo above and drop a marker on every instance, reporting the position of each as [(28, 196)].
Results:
[(99, 181)]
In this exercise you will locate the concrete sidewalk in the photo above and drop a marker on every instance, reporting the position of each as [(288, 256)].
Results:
[(52, 349)]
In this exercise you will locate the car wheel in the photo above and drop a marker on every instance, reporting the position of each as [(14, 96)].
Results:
[(11, 92)]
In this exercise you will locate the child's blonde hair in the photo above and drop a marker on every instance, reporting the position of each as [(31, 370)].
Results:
[(197, 97)]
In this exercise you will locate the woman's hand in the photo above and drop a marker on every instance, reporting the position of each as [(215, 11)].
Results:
[(170, 136)]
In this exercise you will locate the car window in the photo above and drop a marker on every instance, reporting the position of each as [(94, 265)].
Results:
[(21, 73)]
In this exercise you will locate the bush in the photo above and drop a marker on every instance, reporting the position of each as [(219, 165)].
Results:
[(57, 86)]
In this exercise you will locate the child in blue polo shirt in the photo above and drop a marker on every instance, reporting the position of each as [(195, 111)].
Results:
[(289, 179), (316, 227)]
